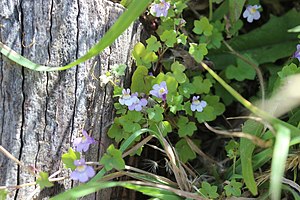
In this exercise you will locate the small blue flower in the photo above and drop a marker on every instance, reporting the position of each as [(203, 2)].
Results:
[(83, 143), (126, 98), (160, 9), (198, 105), (82, 171), (297, 53), (160, 91), (252, 13), (138, 104)]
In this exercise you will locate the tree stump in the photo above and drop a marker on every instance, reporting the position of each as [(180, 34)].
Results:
[(42, 112)]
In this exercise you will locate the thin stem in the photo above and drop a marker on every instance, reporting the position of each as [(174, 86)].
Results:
[(210, 10), (255, 66), (10, 156), (264, 115), (239, 97), (254, 139)]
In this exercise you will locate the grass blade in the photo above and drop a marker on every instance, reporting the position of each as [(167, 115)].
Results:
[(280, 154), (134, 10), (246, 152)]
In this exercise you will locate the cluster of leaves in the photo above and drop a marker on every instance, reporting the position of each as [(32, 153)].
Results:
[(170, 55), (173, 115)]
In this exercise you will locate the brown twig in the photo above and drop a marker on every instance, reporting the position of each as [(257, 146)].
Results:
[(254, 139)]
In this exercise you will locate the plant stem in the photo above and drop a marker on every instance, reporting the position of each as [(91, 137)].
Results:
[(210, 10)]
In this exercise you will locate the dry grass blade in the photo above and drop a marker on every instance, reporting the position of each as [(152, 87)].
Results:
[(168, 188), (176, 167), (200, 152), (137, 146), (162, 178), (254, 139)]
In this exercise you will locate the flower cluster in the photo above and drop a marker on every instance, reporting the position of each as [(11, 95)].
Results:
[(82, 172), (160, 90), (160, 9), (132, 101), (297, 53), (252, 13), (197, 104), (83, 143)]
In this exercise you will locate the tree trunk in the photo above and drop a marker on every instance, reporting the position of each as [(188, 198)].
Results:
[(41, 113)]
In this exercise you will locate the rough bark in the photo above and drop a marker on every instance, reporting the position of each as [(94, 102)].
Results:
[(41, 113)]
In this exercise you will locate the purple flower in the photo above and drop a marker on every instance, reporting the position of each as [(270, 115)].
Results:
[(83, 143), (297, 53), (138, 103), (160, 9), (82, 171), (126, 98), (198, 105), (160, 90), (252, 13)]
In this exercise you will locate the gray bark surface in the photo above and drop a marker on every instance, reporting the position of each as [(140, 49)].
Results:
[(42, 112)]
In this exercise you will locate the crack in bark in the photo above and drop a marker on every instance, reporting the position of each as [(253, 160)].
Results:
[(50, 31), (3, 100), (76, 69), (2, 94), (21, 15)]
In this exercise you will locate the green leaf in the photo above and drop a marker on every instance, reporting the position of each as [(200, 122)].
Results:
[(211, 111), (43, 180), (174, 102), (155, 113), (215, 40), (153, 44), (116, 132), (169, 37), (206, 115), (3, 194), (135, 9), (163, 127), (113, 159), (296, 29), (201, 86), (129, 121), (213, 101), (232, 149), (138, 52), (119, 70), (178, 72), (235, 9), (176, 66), (246, 150), (69, 158), (141, 81), (280, 154), (179, 6), (208, 191), (288, 70), (142, 56), (198, 51), (181, 39), (184, 151), (233, 189), (125, 3), (185, 128), (202, 26), (262, 46), (242, 71), (186, 89)]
